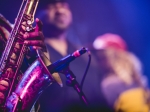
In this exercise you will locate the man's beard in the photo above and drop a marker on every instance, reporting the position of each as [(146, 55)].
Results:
[(53, 30), (59, 27)]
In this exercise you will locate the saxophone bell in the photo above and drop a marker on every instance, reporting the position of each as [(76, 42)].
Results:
[(34, 81)]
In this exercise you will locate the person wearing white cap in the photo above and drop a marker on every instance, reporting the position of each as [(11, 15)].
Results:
[(124, 85)]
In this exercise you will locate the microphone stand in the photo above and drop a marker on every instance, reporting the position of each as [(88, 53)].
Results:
[(71, 81)]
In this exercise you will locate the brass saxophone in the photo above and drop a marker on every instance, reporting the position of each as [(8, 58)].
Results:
[(36, 78)]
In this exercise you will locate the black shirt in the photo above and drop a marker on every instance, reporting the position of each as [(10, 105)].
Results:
[(57, 99)]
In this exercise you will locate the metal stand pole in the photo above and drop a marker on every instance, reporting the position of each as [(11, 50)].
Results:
[(71, 81)]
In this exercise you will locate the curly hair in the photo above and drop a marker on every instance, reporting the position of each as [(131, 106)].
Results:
[(121, 63)]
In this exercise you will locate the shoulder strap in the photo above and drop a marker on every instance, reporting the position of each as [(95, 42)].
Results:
[(5, 28), (5, 23)]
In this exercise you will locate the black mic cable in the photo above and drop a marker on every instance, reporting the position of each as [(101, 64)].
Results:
[(86, 70)]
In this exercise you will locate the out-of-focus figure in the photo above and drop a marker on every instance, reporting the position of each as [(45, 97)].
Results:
[(123, 85), (57, 18)]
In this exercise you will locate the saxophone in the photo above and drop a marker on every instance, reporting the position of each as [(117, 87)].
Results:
[(36, 78)]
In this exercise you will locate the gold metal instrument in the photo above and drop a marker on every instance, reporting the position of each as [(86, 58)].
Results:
[(15, 49), (23, 96)]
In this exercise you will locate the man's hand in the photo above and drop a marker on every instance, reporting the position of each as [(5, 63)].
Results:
[(3, 89), (35, 38)]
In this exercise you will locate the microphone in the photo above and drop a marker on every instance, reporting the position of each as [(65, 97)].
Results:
[(64, 62)]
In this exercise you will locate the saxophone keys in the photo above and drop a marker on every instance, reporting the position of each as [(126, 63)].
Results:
[(9, 73), (13, 56), (29, 22), (17, 45), (28, 29)]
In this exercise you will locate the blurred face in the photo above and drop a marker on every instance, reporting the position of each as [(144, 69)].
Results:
[(103, 60), (59, 15)]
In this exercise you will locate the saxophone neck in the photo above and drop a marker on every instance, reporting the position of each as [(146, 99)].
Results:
[(30, 8)]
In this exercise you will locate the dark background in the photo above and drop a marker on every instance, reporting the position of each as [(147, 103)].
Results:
[(91, 18)]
